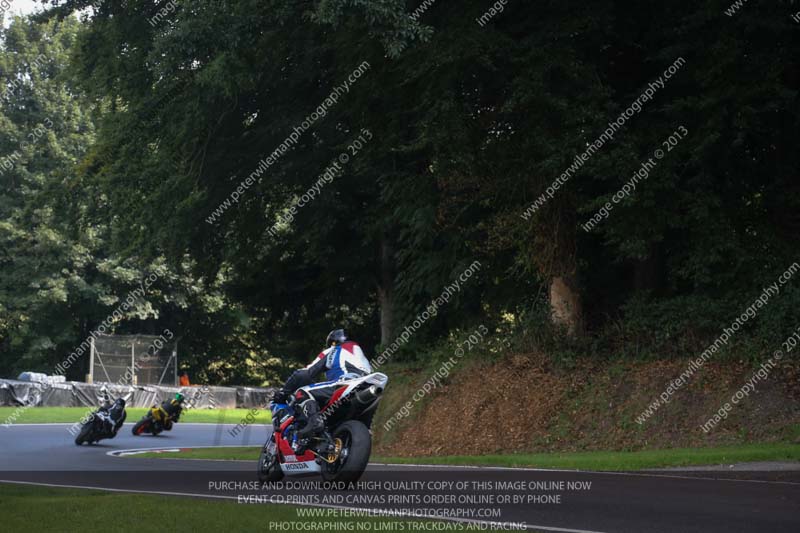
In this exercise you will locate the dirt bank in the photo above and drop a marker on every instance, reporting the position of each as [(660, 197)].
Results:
[(524, 404)]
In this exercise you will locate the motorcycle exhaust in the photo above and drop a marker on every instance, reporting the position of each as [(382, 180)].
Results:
[(369, 395)]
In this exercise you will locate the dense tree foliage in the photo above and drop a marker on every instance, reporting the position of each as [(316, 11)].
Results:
[(463, 123), (61, 276)]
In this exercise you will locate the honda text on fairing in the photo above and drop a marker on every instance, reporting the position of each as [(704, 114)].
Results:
[(160, 417), (324, 428), (103, 423)]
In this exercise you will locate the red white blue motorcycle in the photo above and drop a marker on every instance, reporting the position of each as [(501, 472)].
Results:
[(340, 453)]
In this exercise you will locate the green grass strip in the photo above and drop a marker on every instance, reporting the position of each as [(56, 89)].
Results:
[(31, 508), (619, 461), (615, 461)]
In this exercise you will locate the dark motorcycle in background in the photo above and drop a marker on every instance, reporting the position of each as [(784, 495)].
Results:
[(103, 423)]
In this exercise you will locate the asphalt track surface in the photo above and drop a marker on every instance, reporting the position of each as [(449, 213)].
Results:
[(669, 502)]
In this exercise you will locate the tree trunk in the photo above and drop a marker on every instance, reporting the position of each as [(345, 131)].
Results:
[(556, 245), (386, 292), (646, 273), (565, 304)]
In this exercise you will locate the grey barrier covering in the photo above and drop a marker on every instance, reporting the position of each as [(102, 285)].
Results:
[(251, 397), (77, 394)]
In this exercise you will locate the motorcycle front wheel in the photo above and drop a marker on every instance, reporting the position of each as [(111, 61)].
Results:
[(141, 426), (86, 430), (269, 469)]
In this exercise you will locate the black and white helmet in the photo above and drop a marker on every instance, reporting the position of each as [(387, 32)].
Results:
[(336, 336)]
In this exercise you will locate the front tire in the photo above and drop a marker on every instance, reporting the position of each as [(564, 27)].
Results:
[(140, 427), (354, 456), (269, 468), (86, 430)]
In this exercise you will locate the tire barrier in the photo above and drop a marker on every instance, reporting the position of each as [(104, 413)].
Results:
[(14, 393)]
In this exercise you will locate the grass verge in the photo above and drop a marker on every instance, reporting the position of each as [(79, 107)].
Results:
[(619, 461), (69, 415), (615, 461), (29, 508)]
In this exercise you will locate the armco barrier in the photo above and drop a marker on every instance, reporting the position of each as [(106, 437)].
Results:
[(15, 393)]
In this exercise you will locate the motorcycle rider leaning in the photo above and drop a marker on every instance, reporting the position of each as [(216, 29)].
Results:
[(173, 408), (113, 416), (342, 359)]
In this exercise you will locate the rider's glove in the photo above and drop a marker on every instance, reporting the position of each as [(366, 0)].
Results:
[(280, 396)]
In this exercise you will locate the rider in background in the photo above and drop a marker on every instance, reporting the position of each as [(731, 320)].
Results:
[(113, 416), (342, 359), (173, 408)]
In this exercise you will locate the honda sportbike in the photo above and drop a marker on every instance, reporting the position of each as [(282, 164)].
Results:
[(340, 453)]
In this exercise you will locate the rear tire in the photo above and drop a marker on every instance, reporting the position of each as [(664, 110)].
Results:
[(358, 443), (269, 468)]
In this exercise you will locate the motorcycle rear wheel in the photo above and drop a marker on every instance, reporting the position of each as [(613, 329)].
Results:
[(354, 455)]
